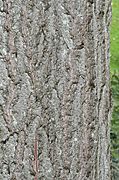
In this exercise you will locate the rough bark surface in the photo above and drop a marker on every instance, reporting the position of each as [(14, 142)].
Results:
[(54, 89)]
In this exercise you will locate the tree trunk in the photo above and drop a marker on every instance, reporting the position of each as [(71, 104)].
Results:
[(54, 90)]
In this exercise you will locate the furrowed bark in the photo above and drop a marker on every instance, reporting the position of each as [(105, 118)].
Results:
[(55, 102)]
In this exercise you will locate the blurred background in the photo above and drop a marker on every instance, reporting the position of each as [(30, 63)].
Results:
[(115, 89)]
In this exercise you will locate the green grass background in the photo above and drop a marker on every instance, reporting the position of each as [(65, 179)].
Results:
[(115, 37), (114, 67)]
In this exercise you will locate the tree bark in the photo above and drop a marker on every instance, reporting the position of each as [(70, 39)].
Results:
[(54, 90)]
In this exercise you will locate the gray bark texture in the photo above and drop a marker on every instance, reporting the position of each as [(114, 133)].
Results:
[(54, 90)]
